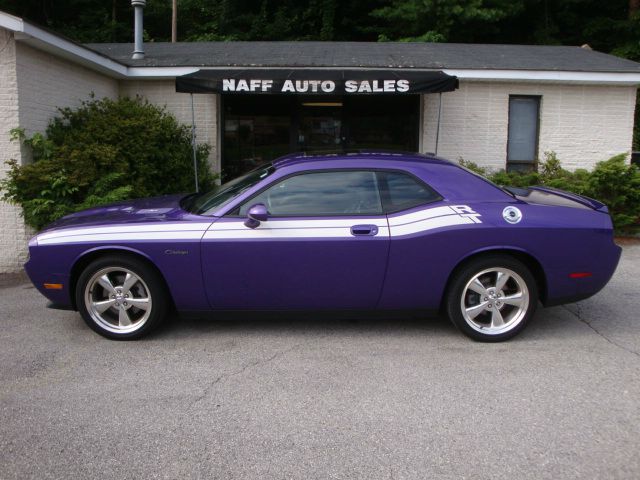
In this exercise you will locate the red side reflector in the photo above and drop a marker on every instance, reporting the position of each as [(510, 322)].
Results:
[(53, 286), (580, 274)]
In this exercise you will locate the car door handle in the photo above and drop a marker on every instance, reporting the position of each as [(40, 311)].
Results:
[(365, 230)]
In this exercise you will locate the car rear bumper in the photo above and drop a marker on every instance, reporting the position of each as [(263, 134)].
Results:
[(569, 290)]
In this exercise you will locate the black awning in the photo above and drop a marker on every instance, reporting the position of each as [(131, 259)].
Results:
[(316, 81)]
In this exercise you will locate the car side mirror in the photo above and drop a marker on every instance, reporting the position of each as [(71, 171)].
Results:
[(256, 214)]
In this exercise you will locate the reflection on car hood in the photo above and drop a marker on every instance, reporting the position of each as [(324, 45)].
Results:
[(156, 209)]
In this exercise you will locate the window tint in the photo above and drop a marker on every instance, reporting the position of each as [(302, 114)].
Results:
[(402, 191), (322, 193)]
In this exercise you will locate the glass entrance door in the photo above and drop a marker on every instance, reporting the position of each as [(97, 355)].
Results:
[(320, 127)]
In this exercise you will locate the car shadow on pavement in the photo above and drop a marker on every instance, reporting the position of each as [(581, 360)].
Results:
[(547, 323), (304, 323)]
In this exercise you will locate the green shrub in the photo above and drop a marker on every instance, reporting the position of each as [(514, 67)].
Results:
[(576, 182), (474, 167), (515, 179), (614, 182), (550, 168), (617, 183), (104, 151)]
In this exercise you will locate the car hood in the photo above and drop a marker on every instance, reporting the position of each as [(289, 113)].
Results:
[(164, 208)]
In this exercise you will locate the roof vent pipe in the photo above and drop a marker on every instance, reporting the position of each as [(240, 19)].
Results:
[(138, 6)]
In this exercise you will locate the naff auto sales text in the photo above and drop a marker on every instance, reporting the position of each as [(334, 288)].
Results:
[(313, 86)]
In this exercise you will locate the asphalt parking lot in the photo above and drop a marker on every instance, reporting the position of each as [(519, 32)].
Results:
[(323, 398)]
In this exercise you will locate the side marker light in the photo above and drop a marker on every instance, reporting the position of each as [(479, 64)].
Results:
[(580, 274)]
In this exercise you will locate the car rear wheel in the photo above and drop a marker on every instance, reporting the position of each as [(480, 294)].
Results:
[(492, 298), (121, 298)]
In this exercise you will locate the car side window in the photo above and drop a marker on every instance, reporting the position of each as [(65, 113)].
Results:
[(401, 191), (336, 193)]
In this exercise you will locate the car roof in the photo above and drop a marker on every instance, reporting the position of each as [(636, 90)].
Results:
[(448, 178), (334, 159)]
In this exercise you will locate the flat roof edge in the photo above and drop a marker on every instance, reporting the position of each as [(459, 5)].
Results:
[(624, 78), (559, 76), (50, 42), (10, 22)]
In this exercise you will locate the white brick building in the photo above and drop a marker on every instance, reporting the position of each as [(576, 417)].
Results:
[(513, 102)]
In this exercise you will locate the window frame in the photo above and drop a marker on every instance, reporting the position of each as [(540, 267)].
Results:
[(235, 211), (534, 162)]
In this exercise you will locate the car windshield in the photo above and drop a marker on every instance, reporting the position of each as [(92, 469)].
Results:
[(218, 197)]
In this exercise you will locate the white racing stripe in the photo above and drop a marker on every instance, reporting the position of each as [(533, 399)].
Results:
[(290, 224), (397, 226), (430, 224), (420, 215), (244, 233), (127, 230), (122, 236)]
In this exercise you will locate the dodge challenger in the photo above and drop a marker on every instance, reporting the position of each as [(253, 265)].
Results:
[(360, 232)]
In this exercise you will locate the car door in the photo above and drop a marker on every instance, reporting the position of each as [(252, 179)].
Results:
[(324, 246)]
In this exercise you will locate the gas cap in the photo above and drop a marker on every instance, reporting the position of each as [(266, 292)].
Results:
[(512, 215)]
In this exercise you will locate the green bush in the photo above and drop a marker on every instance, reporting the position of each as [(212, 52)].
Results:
[(474, 167), (104, 151), (614, 182), (617, 183)]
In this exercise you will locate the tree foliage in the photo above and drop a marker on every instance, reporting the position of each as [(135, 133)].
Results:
[(439, 20), (612, 26), (104, 151)]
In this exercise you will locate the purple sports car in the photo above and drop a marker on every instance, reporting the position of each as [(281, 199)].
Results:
[(382, 232)]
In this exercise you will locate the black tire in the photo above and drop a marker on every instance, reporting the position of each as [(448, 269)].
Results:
[(92, 295), (479, 315)]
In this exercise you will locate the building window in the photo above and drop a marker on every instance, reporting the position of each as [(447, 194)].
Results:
[(522, 144)]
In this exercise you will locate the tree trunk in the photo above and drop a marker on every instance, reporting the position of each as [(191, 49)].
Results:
[(634, 7), (113, 20), (174, 21)]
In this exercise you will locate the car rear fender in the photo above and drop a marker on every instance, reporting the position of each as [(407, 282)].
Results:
[(532, 263)]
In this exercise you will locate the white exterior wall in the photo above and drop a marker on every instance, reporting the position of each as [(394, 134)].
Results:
[(163, 93), (46, 83), (13, 233), (583, 124), (33, 84)]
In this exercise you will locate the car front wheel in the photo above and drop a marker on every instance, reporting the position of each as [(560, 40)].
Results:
[(492, 298), (121, 298)]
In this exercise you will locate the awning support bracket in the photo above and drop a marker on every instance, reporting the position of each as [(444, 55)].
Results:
[(193, 144), (438, 125)]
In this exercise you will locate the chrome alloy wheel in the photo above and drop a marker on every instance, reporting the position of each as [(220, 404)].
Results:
[(118, 300), (495, 301)]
